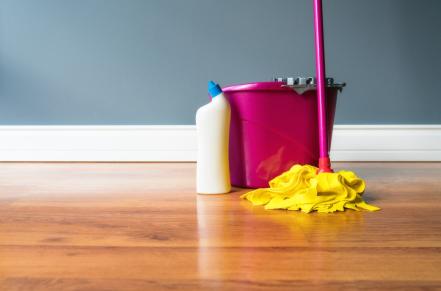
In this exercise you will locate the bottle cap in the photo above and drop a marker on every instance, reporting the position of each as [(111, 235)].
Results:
[(214, 89)]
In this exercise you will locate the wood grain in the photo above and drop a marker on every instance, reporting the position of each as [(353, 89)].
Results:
[(140, 226)]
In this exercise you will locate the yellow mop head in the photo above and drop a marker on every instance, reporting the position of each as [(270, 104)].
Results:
[(301, 188)]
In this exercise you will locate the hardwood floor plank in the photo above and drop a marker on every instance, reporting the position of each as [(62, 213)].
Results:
[(252, 263)]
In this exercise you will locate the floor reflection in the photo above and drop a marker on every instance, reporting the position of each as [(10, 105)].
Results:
[(231, 231)]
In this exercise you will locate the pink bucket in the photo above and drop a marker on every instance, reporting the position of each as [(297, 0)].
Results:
[(272, 128)]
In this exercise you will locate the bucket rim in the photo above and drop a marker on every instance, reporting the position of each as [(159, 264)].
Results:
[(256, 86), (277, 86)]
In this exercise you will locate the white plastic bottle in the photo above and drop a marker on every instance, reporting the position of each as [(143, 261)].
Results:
[(213, 130)]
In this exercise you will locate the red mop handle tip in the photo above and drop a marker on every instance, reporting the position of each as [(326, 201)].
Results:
[(325, 165)]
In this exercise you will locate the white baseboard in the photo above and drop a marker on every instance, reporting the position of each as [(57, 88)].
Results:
[(178, 143), (386, 143)]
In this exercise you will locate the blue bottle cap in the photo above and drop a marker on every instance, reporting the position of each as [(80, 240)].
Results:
[(214, 89)]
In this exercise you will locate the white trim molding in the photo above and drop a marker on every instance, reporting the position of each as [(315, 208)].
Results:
[(386, 143), (159, 143)]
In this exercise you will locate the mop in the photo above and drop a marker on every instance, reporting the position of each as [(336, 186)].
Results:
[(308, 188)]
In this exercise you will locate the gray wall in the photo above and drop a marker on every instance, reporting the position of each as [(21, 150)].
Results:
[(148, 61)]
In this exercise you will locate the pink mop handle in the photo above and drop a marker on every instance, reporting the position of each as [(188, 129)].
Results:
[(324, 161)]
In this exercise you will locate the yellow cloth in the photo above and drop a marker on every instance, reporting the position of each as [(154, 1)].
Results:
[(301, 188)]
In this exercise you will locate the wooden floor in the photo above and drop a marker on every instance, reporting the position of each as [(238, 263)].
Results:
[(142, 227)]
